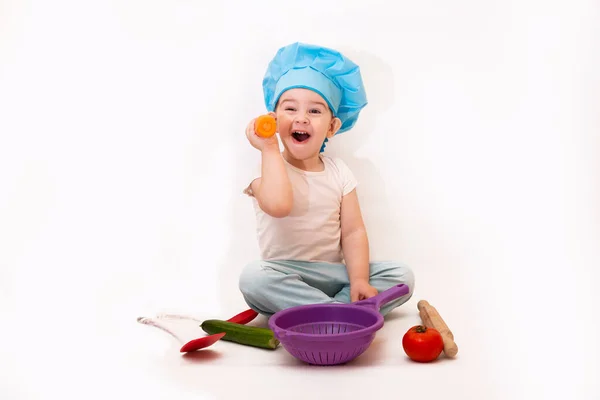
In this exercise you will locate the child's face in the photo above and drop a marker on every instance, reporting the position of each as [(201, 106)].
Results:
[(304, 121)]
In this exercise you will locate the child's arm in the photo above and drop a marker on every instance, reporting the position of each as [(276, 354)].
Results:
[(355, 246), (273, 189)]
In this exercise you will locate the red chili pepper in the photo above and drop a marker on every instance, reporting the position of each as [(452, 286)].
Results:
[(243, 317)]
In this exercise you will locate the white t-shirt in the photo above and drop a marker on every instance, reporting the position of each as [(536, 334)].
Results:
[(312, 231)]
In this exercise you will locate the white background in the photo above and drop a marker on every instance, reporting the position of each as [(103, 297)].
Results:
[(123, 157)]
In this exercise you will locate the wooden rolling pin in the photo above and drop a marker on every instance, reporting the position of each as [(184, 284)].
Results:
[(432, 319)]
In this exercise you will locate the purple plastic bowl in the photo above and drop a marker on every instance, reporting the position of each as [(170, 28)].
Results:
[(329, 334)]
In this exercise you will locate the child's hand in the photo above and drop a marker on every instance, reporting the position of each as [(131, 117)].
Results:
[(258, 142), (361, 290)]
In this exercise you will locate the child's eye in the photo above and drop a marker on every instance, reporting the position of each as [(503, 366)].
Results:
[(290, 109), (315, 111)]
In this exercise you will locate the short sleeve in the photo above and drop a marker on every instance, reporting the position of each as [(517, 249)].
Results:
[(255, 173), (347, 178)]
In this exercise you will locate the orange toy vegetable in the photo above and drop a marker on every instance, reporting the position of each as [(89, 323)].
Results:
[(265, 126)]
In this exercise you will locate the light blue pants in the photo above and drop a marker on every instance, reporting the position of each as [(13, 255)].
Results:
[(271, 286)]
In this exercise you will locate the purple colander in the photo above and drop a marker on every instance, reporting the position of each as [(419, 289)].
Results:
[(329, 334)]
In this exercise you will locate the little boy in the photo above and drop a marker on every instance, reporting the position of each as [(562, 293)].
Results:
[(313, 242)]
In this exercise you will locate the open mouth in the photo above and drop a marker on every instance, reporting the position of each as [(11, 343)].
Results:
[(300, 136)]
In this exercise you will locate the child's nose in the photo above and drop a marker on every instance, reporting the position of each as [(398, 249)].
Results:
[(301, 119)]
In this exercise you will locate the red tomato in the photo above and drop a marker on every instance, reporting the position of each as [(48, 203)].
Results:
[(422, 344)]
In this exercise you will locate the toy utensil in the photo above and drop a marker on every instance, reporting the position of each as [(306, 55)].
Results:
[(329, 334), (242, 318), (192, 345), (202, 342), (432, 319)]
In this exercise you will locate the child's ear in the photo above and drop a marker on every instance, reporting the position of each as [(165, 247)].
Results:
[(334, 126)]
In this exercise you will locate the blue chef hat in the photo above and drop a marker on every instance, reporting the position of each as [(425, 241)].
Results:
[(325, 71)]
